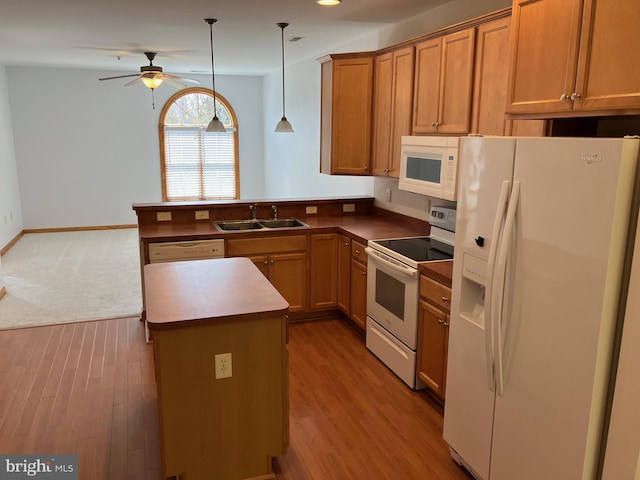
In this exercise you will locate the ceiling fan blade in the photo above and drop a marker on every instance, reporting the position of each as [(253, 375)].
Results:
[(180, 79), (173, 82), (120, 76), (133, 82)]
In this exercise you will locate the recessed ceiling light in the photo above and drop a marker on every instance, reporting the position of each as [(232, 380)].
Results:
[(329, 2)]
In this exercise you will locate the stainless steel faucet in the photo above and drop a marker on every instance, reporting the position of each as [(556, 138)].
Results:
[(275, 212), (254, 210)]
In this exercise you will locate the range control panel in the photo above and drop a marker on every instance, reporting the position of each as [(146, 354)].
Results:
[(443, 217)]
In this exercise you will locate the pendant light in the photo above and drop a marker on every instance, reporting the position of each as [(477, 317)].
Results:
[(329, 2), (215, 126), (283, 125)]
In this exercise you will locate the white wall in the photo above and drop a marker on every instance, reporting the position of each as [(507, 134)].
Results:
[(293, 159), (10, 209), (86, 150)]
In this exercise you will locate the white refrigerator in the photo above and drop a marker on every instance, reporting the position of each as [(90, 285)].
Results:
[(542, 236)]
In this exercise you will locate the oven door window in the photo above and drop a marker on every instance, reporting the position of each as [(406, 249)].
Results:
[(390, 293), (426, 169)]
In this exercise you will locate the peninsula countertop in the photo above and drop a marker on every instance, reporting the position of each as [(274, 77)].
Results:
[(185, 294)]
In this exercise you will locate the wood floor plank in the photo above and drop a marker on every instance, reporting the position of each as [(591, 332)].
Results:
[(90, 389)]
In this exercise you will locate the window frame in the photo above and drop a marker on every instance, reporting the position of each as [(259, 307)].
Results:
[(161, 136)]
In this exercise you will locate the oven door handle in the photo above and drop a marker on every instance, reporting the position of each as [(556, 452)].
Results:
[(376, 256)]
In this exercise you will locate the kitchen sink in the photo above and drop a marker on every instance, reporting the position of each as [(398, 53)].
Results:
[(226, 225), (282, 223), (237, 225)]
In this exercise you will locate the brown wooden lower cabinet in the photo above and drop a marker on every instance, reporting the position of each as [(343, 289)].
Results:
[(359, 294), (323, 258), (283, 260), (433, 335)]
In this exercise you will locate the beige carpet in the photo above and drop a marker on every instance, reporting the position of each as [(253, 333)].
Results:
[(71, 276)]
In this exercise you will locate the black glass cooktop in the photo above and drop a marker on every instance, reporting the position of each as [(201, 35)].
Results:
[(419, 249)]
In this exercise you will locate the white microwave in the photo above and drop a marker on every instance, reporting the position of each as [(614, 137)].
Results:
[(429, 166)]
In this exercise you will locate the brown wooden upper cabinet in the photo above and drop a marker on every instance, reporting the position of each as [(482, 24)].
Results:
[(574, 56), (392, 108), (346, 110), (444, 83), (490, 84)]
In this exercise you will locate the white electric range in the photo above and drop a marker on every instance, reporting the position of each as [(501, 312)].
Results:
[(393, 295)]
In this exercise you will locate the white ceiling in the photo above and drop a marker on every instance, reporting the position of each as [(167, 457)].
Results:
[(113, 34)]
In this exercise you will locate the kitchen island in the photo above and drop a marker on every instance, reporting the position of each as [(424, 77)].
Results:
[(220, 348)]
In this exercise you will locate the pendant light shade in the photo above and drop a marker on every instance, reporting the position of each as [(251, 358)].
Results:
[(283, 125), (215, 126)]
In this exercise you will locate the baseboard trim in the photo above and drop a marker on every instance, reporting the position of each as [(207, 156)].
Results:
[(79, 229), (6, 248), (3, 292)]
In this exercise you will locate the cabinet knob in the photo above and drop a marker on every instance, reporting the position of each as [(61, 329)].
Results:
[(346, 244), (366, 168), (357, 252), (435, 124), (363, 272), (445, 299), (271, 262), (575, 96), (386, 170), (564, 97), (440, 321)]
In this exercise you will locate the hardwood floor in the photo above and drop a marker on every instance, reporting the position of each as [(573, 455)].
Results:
[(88, 388)]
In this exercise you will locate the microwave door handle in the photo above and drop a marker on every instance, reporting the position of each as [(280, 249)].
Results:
[(375, 256)]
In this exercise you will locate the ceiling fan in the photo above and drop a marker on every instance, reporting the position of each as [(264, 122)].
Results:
[(152, 76)]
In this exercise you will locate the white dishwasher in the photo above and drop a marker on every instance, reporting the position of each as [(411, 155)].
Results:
[(186, 250)]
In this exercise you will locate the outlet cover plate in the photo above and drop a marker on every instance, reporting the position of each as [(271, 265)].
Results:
[(223, 365)]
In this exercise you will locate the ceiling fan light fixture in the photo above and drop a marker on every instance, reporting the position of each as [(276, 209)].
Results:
[(328, 3), (215, 125), (283, 125), (152, 82)]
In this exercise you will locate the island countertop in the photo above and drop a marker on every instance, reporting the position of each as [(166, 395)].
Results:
[(185, 294)]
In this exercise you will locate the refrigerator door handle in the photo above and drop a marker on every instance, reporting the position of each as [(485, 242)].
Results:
[(488, 310), (500, 266)]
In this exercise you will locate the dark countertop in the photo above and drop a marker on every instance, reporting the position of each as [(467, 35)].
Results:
[(440, 271), (360, 227), (179, 294)]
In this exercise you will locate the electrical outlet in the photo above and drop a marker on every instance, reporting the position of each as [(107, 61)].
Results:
[(348, 207), (311, 210), (388, 194), (202, 214), (223, 365), (163, 216)]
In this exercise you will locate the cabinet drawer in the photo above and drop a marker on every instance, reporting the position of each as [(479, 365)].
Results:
[(435, 292), (357, 252), (254, 246)]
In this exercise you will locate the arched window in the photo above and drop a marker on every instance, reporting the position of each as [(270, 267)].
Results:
[(196, 165)]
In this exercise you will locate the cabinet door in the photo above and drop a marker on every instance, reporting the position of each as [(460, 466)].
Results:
[(382, 112), (344, 274), (324, 271), (426, 86), (262, 262), (288, 273), (350, 96), (403, 73), (608, 62), (456, 83), (432, 347), (544, 54), (490, 84), (359, 294)]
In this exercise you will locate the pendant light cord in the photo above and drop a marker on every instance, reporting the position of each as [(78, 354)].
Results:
[(211, 21), (282, 27)]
